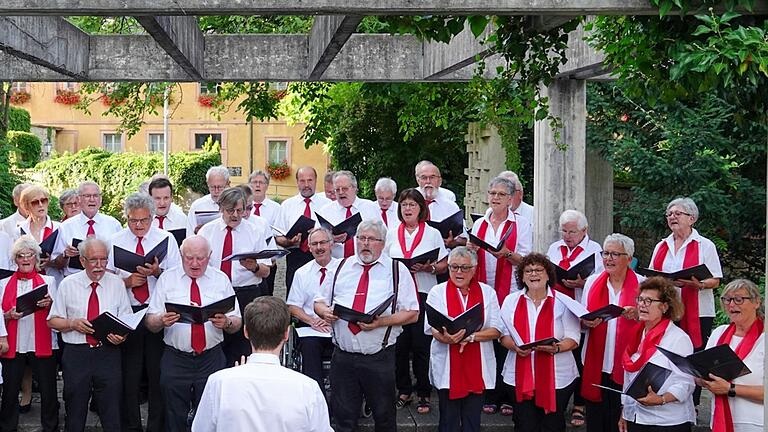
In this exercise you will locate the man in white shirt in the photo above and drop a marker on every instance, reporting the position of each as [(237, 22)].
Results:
[(217, 179), (385, 191), (305, 203), (364, 355), (262, 395), (346, 205), (439, 203), (86, 362), (10, 225), (168, 216), (430, 182), (89, 223), (264, 214), (143, 348), (192, 351), (262, 205)]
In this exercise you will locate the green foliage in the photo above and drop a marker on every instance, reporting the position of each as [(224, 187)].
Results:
[(120, 174), (19, 120), (8, 180), (721, 317), (24, 149)]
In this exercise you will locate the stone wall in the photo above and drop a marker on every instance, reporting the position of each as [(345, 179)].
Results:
[(486, 158)]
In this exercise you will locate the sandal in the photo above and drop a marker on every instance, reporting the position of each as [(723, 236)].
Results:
[(490, 409), (577, 417), (423, 407), (402, 402), (506, 410)]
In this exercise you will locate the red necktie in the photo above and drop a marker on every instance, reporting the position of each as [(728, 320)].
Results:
[(566, 261), (322, 276), (304, 247), (256, 209), (198, 330), (90, 232), (361, 295), (93, 312), (226, 266), (141, 292), (160, 220), (384, 217), (429, 215), (349, 245)]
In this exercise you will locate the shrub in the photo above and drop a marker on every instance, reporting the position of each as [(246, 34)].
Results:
[(19, 120), (24, 149)]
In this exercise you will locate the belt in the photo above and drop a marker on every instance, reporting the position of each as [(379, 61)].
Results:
[(389, 348), (191, 354), (85, 345)]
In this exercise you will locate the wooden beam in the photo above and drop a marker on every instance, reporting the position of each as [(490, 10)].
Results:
[(329, 33), (181, 38), (51, 42)]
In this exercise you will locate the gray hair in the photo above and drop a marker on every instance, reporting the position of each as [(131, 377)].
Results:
[(87, 183), (144, 187), (386, 184), (259, 173), (422, 164), (511, 176), (752, 290), (627, 243), (325, 231), (218, 170), (91, 241), (194, 238), (18, 189), (687, 204), (66, 195), (27, 242), (139, 200), (374, 225), (348, 174), (574, 216), (462, 252), (230, 197), (328, 178), (501, 181)]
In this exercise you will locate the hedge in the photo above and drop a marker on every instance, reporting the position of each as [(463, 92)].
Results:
[(24, 149), (19, 120)]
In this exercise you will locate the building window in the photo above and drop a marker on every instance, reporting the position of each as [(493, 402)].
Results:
[(278, 85), (209, 88), (19, 87), (202, 138), (277, 150), (112, 142), (156, 142), (70, 86)]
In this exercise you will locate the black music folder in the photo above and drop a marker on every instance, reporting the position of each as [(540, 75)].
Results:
[(6, 273), (74, 262), (46, 246), (179, 234), (583, 268), (471, 320), (202, 217), (353, 316), (476, 216), (700, 272), (430, 256), (347, 226), (650, 375), (719, 360), (27, 303), (302, 226), (264, 254), (540, 342), (199, 315), (482, 244), (128, 261), (607, 312), (107, 323), (453, 224)]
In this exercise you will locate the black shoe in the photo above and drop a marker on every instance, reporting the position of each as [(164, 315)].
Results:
[(23, 409), (367, 411)]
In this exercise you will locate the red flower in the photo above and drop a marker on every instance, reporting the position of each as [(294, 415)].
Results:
[(20, 97), (624, 117), (279, 170), (67, 97), (207, 100)]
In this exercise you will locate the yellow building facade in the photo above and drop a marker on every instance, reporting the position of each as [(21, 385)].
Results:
[(244, 146)]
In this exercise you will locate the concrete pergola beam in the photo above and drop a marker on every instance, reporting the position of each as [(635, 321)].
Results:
[(328, 35), (181, 38), (50, 42)]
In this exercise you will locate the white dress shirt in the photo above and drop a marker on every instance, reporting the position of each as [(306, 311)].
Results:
[(566, 326), (25, 332), (263, 226), (747, 415), (493, 236), (261, 395), (442, 194), (173, 286), (392, 220), (707, 256), (10, 225), (679, 384), (204, 203), (125, 239), (440, 359), (527, 211), (71, 301), (431, 240), (175, 219), (269, 210), (292, 208), (246, 237), (380, 288), (335, 213), (589, 247), (5, 252), (76, 227), (24, 226), (306, 285)]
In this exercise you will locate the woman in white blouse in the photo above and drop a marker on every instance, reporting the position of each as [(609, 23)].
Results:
[(738, 405), (462, 366), (34, 199), (671, 408), (411, 238), (537, 313), (31, 341)]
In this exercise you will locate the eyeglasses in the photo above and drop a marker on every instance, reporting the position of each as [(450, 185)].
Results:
[(368, 239), (143, 221), (646, 301), (676, 214), (735, 300), (71, 204), (531, 271), (217, 187), (190, 258), (570, 233), (90, 196), (460, 268), (498, 194), (259, 182), (32, 255), (613, 255), (342, 189), (408, 204), (319, 243), (231, 211), (37, 202), (96, 261)]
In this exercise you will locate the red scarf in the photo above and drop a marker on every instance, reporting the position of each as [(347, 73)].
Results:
[(565, 263), (543, 390), (503, 282), (722, 420), (408, 253), (593, 359), (466, 372), (690, 296), (42, 332), (646, 349)]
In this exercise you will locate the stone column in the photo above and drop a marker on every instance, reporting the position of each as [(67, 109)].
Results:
[(486, 159)]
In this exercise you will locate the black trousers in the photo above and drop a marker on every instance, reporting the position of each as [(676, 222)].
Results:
[(44, 369), (706, 330), (459, 415), (577, 399), (356, 375), (312, 349), (97, 369), (503, 393), (269, 281), (294, 261), (182, 380), (635, 427), (236, 345), (142, 350), (604, 416), (530, 418), (413, 341)]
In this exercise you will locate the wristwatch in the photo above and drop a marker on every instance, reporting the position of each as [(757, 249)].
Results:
[(732, 390), (472, 338)]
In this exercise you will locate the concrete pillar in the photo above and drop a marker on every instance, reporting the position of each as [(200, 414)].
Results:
[(569, 177), (486, 158)]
